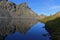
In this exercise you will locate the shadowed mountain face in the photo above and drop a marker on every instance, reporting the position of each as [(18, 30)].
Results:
[(15, 18)]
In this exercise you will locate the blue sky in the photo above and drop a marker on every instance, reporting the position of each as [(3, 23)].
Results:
[(45, 7)]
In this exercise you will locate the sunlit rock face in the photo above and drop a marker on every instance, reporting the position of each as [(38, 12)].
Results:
[(15, 18)]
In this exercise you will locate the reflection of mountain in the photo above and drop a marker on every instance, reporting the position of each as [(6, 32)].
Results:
[(15, 18)]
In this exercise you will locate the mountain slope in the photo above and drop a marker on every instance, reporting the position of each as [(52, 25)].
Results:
[(52, 17), (18, 18), (52, 24)]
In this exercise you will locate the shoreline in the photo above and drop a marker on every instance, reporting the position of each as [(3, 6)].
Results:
[(49, 33)]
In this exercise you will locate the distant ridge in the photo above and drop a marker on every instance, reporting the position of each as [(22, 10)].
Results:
[(51, 17)]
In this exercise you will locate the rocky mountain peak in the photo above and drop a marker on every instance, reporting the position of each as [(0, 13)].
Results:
[(23, 5), (20, 19)]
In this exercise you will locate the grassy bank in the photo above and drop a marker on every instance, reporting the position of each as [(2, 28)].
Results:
[(52, 24), (53, 27)]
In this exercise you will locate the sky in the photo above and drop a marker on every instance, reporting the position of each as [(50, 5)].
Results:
[(46, 7)]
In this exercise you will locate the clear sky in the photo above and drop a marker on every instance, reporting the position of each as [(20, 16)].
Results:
[(46, 7)]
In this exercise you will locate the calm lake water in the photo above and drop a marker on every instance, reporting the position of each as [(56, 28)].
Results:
[(37, 32)]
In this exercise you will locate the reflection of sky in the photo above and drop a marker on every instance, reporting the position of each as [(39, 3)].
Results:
[(46, 7), (35, 33)]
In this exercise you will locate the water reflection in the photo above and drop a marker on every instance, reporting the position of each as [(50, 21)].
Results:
[(35, 33)]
